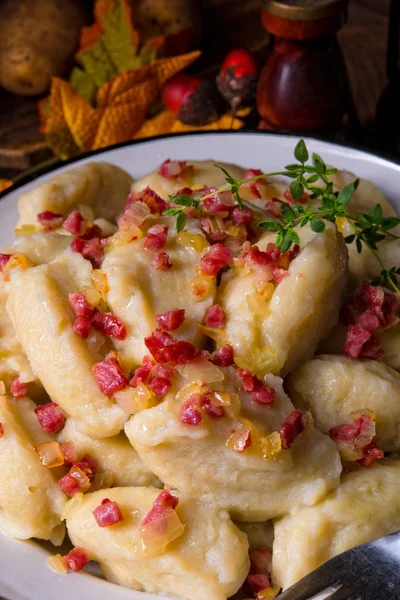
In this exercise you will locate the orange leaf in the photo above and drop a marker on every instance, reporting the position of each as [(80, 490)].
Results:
[(90, 35), (4, 184), (158, 125)]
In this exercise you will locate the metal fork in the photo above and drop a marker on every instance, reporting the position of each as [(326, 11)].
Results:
[(367, 572)]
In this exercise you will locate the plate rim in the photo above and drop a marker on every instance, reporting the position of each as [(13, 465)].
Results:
[(56, 163)]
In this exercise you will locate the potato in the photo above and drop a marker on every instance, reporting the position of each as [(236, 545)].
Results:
[(285, 331), (334, 386), (363, 508), (41, 247), (197, 461), (91, 184), (30, 500), (209, 560), (38, 40)]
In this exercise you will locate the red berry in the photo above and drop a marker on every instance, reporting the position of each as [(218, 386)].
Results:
[(177, 89), (242, 61)]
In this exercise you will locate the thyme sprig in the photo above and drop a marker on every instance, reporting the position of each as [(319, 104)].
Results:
[(310, 181)]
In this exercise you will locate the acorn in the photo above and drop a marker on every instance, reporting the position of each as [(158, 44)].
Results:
[(237, 79), (194, 100)]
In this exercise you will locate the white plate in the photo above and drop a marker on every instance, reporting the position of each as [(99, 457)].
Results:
[(24, 574)]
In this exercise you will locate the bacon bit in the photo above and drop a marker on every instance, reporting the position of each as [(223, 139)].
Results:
[(161, 506), (149, 197), (240, 217), (50, 220), (355, 440), (93, 231), (215, 259), (369, 321), (142, 373), (1, 430), (156, 237), (273, 206), (18, 389), (211, 407), (248, 380), (82, 326), (372, 348), (223, 357), (263, 394), (372, 452), (77, 245), (50, 417), (160, 386), (290, 200), (92, 462), (175, 170), (69, 485), (171, 320), (76, 560), (253, 185), (261, 560), (69, 451), (108, 513), (161, 261), (215, 317), (93, 252), (258, 582), (217, 203), (240, 439), (165, 348), (109, 376), (75, 223), (260, 392), (79, 303), (4, 258), (356, 337), (189, 411), (291, 428), (162, 371), (109, 325)]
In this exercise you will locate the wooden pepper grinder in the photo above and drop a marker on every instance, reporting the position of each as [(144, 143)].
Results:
[(303, 85)]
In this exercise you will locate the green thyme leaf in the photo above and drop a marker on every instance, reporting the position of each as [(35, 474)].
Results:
[(269, 225), (317, 225), (301, 152), (292, 235), (182, 199), (286, 243), (347, 193), (172, 211), (296, 189), (181, 222)]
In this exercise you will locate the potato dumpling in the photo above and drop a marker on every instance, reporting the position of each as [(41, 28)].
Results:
[(41, 247), (138, 292), (364, 507), (43, 320), (209, 560), (197, 461), (204, 173), (30, 500), (282, 332), (114, 455), (101, 186), (334, 386)]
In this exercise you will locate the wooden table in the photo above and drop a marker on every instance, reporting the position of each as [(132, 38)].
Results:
[(363, 41)]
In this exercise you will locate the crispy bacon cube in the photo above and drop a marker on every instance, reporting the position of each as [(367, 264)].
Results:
[(161, 505), (149, 197), (75, 223), (109, 376), (217, 257), (81, 306), (239, 217), (4, 258), (258, 582), (371, 452), (160, 386), (215, 317), (18, 389), (69, 485), (291, 429), (156, 237), (174, 170), (50, 417), (171, 320), (223, 357), (253, 185), (189, 411), (82, 326), (161, 262), (108, 513), (356, 337), (109, 325), (76, 560), (69, 451), (263, 394), (211, 407), (50, 220), (248, 380)]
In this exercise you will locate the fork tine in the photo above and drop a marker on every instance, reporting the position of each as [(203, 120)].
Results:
[(310, 589)]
